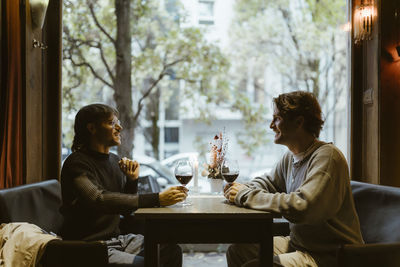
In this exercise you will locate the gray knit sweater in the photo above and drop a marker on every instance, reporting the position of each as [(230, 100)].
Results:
[(314, 194)]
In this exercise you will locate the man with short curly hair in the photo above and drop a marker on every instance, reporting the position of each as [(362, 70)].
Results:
[(309, 186)]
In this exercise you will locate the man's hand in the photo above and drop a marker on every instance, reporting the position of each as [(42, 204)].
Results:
[(230, 191), (172, 195), (129, 167)]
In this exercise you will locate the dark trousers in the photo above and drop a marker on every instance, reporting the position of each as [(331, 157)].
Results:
[(127, 250)]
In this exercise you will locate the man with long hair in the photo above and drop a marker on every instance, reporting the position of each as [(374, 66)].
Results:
[(98, 186), (309, 186)]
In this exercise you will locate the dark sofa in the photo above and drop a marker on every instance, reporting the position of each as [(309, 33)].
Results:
[(39, 204), (378, 208)]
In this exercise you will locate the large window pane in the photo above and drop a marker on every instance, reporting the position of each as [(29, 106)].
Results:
[(190, 82)]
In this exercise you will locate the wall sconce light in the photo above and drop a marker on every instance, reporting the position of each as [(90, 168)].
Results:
[(38, 12), (363, 22)]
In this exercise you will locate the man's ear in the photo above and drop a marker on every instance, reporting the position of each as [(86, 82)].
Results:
[(91, 128), (299, 121)]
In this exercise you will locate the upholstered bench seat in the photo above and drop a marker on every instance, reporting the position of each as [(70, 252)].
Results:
[(39, 204), (378, 208)]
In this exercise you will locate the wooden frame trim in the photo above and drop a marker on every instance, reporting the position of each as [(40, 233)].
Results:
[(52, 93)]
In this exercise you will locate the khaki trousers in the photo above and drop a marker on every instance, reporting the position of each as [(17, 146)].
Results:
[(245, 255)]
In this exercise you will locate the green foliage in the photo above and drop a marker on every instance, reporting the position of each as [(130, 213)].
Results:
[(254, 135), (299, 41), (161, 48), (165, 53)]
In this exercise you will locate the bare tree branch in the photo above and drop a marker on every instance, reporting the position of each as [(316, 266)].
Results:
[(286, 18), (166, 66), (186, 79), (153, 85), (101, 28), (92, 70), (104, 60), (88, 65), (75, 44), (147, 93), (139, 44)]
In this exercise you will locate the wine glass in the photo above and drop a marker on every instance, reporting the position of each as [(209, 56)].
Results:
[(229, 170), (184, 173)]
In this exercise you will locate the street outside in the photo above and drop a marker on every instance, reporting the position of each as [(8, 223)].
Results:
[(204, 259)]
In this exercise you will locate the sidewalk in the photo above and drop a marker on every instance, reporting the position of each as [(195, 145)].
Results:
[(204, 259)]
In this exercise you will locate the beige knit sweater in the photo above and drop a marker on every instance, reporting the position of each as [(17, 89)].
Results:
[(314, 194)]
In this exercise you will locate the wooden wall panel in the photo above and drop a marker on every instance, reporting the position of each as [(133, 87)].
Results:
[(371, 107), (365, 134), (380, 142), (52, 91), (43, 95), (390, 94), (34, 104), (356, 93), (1, 44)]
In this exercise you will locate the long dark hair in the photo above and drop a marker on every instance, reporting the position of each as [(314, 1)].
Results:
[(94, 113)]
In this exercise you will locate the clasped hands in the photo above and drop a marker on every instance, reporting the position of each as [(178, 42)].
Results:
[(231, 190), (129, 167)]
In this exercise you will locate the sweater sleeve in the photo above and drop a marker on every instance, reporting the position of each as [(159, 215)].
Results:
[(111, 202), (131, 186), (317, 199), (271, 182), (145, 200)]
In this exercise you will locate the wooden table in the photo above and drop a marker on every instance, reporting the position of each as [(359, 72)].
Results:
[(209, 220)]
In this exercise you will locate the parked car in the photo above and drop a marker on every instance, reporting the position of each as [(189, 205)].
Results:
[(150, 167), (152, 170), (171, 161)]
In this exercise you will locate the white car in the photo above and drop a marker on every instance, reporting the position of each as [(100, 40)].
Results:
[(151, 167), (171, 161), (164, 176), (203, 185)]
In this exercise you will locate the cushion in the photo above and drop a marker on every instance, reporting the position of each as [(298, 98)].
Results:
[(75, 253), (378, 208), (36, 203), (369, 255)]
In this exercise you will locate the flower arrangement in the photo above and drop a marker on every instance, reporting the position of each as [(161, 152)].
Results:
[(219, 147)]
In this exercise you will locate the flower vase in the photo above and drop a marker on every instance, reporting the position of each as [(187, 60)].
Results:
[(216, 185)]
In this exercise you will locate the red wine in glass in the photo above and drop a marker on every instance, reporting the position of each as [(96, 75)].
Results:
[(184, 179), (230, 177), (230, 170), (184, 173)]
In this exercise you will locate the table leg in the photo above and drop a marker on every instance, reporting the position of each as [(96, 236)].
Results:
[(266, 247), (151, 254), (151, 248)]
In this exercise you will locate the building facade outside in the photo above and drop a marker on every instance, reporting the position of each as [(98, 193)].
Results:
[(182, 133)]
